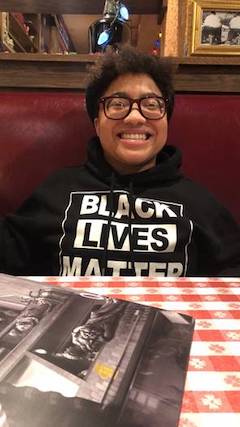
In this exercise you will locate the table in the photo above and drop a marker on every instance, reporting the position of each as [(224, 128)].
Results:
[(212, 389)]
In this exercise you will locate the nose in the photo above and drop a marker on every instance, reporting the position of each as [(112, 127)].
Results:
[(135, 115)]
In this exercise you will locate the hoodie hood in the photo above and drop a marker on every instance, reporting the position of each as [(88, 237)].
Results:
[(167, 167)]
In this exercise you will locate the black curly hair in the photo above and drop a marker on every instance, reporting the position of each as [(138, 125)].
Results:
[(113, 64)]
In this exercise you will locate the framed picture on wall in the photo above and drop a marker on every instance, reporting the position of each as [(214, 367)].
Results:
[(215, 28)]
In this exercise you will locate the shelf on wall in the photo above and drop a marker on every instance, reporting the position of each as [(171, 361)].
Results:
[(47, 71)]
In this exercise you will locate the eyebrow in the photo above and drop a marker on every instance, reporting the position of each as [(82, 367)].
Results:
[(125, 94)]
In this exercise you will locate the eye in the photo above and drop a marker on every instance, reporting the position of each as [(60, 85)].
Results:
[(117, 103), (151, 103)]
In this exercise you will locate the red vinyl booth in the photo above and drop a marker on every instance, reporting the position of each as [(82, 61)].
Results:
[(41, 132)]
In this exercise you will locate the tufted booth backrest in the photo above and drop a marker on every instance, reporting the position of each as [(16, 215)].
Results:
[(41, 132), (207, 129)]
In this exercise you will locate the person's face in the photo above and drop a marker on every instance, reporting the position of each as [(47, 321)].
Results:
[(131, 145)]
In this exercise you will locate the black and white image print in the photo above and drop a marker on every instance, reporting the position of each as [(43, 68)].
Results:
[(70, 359), (220, 27)]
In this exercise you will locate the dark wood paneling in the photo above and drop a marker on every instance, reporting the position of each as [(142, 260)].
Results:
[(44, 71), (70, 72), (86, 7), (211, 79)]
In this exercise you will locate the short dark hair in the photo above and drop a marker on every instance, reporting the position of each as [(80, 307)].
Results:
[(112, 64)]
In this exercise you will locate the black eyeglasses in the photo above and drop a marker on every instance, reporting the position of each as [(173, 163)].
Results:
[(118, 107)]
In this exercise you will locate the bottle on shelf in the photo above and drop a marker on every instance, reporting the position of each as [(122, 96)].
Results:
[(111, 29), (157, 45)]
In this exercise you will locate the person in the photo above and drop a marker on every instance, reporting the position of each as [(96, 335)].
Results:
[(129, 210), (212, 29), (234, 29)]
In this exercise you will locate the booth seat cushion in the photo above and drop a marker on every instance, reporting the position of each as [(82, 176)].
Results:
[(41, 132)]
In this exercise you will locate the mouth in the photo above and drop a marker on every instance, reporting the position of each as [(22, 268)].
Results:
[(144, 136)]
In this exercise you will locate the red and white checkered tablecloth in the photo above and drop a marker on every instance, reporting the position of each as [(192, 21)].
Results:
[(212, 389)]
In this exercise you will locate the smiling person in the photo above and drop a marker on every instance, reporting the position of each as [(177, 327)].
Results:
[(129, 210)]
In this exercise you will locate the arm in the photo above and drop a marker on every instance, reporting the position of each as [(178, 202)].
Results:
[(19, 239)]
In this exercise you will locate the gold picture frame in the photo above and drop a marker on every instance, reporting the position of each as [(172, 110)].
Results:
[(215, 28)]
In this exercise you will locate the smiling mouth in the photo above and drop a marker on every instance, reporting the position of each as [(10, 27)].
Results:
[(134, 136)]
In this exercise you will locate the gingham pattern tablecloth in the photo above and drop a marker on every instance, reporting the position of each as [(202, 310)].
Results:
[(212, 389)]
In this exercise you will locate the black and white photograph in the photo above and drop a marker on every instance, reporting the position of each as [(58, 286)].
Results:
[(71, 359), (220, 27), (215, 28)]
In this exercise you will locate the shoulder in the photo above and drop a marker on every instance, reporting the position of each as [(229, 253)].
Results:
[(64, 175), (59, 184)]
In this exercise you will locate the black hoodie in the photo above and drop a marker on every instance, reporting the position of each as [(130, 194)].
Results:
[(89, 220)]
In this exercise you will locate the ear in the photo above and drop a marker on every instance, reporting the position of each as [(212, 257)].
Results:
[(96, 125)]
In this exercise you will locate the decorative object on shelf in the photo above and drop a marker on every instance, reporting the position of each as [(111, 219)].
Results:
[(157, 45), (55, 37), (34, 33), (16, 34), (64, 37), (215, 28), (7, 43), (112, 29)]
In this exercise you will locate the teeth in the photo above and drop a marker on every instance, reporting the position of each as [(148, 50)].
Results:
[(135, 136)]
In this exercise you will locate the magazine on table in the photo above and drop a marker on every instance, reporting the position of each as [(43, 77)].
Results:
[(70, 359)]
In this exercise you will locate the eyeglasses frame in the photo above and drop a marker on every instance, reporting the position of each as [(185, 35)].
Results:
[(103, 100)]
